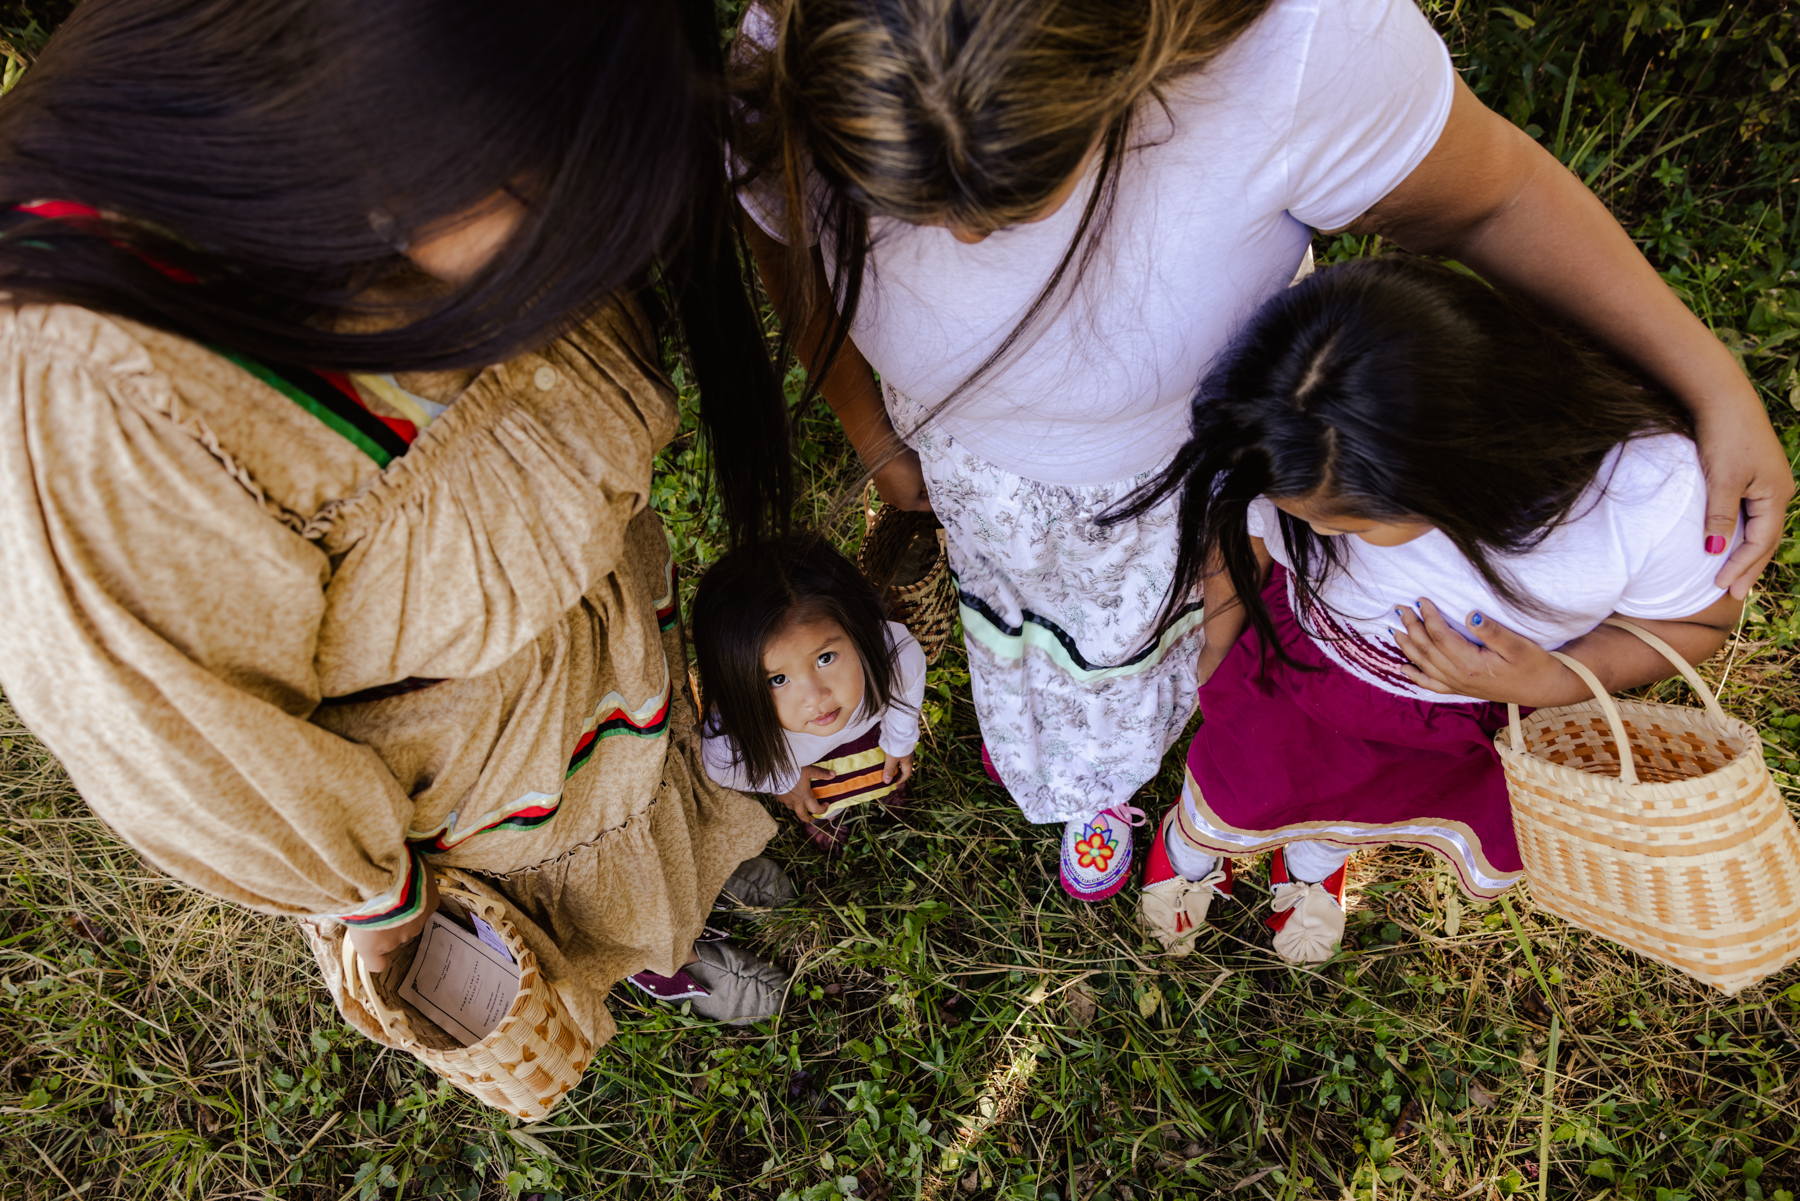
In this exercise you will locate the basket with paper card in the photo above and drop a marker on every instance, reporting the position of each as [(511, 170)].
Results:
[(467, 999)]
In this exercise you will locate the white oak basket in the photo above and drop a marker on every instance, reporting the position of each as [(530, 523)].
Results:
[(1657, 826), (525, 1065)]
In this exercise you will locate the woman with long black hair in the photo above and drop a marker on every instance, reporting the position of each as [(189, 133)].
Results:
[(330, 400)]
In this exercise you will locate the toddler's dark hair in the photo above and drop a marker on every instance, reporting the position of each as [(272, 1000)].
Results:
[(1401, 389), (749, 596)]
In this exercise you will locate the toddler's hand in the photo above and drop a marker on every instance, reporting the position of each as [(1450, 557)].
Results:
[(892, 766), (800, 797), (1509, 668)]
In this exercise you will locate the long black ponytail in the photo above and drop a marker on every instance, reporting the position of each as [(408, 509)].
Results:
[(1397, 389)]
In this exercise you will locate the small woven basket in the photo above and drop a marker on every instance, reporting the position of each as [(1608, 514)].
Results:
[(903, 556), (525, 1065), (1657, 826)]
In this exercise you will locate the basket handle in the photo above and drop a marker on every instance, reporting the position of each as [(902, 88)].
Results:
[(1627, 770), (356, 971), (1681, 665)]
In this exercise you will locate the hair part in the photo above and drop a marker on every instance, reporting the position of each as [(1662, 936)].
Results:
[(1397, 389), (967, 112), (261, 169), (750, 596)]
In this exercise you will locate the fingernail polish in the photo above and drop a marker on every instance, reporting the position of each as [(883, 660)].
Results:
[(1477, 619), (1715, 545)]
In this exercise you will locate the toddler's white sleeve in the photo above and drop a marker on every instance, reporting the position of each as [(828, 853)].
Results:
[(900, 724), (719, 753)]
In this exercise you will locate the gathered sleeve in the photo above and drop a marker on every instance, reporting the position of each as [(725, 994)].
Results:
[(503, 516), (161, 636)]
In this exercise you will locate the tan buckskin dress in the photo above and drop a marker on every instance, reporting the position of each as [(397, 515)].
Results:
[(219, 614)]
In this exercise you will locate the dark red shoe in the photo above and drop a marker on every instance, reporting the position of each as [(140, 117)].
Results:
[(828, 833), (669, 989), (895, 801)]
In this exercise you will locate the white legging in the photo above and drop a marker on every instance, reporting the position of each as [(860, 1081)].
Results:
[(1307, 861)]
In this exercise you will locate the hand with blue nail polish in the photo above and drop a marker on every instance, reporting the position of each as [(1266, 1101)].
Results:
[(1485, 661)]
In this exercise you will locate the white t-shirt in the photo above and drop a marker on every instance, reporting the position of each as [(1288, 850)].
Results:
[(899, 725), (1634, 544), (1315, 113)]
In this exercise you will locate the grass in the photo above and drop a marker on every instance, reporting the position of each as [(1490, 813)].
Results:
[(959, 1028)]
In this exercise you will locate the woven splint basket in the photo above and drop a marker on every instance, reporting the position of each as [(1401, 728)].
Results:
[(903, 556), (1658, 827), (525, 1065)]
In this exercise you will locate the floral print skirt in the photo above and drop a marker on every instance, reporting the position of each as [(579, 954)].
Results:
[(1057, 611)]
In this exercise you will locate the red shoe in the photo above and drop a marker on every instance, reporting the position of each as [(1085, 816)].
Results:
[(828, 833), (1309, 918), (1173, 907)]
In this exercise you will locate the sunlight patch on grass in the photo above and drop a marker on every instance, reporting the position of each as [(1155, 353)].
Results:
[(998, 1101)]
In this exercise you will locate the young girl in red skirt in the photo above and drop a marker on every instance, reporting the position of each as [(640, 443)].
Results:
[(1403, 490)]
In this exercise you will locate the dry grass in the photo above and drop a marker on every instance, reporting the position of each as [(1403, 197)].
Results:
[(959, 1028)]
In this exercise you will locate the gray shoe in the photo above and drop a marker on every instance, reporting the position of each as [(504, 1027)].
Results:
[(756, 884), (741, 988)]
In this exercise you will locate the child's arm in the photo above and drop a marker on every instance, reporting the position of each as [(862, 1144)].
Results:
[(900, 724), (718, 752), (1489, 196), (1225, 616), (1513, 668)]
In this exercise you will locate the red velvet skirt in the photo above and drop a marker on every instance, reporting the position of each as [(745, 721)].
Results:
[(1287, 755)]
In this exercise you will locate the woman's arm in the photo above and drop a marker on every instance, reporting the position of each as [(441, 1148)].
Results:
[(849, 387), (1225, 616), (1515, 669), (1492, 198), (161, 640)]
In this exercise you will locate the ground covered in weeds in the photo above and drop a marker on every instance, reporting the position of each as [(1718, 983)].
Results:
[(960, 1028)]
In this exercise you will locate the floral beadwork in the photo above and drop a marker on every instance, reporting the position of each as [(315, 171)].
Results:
[(1095, 851)]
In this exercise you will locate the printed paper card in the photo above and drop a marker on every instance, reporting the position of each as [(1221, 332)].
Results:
[(460, 981)]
